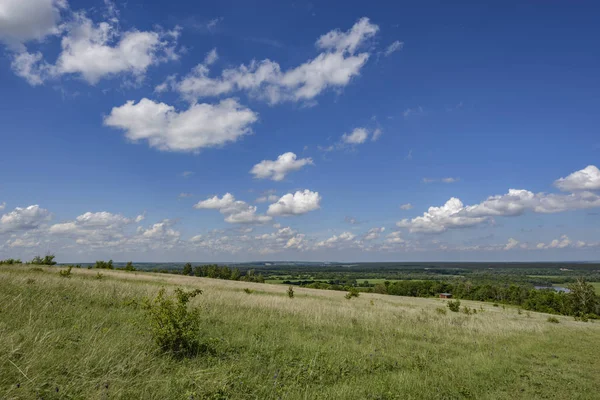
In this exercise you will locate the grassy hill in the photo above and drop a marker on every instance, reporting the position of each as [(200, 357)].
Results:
[(88, 338)]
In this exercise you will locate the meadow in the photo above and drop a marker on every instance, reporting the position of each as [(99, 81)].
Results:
[(87, 337)]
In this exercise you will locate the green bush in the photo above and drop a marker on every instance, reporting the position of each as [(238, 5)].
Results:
[(553, 320), (99, 276), (441, 310), (104, 265), (65, 273), (290, 292), (48, 259), (248, 291), (352, 292), (454, 306), (174, 327)]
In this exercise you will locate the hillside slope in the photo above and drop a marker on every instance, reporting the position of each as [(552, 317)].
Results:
[(82, 337)]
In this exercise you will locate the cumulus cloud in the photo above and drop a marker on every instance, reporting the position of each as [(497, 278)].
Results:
[(333, 68), (2, 206), (23, 242), (561, 243), (25, 20), (235, 211), (454, 214), (406, 206), (585, 179), (373, 233), (358, 136), (395, 238), (298, 203), (96, 51), (512, 243), (439, 219), (23, 219), (98, 229), (394, 47), (336, 240), (200, 126), (278, 169)]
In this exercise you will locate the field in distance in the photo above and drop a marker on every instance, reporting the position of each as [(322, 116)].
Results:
[(87, 337)]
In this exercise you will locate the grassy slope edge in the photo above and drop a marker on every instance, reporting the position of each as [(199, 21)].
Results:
[(82, 337)]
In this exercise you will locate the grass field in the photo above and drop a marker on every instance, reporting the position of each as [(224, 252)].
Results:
[(86, 338)]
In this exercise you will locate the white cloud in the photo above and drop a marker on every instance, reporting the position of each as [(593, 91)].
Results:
[(406, 206), (373, 233), (211, 57), (413, 112), (585, 179), (23, 242), (358, 136), (334, 68), (200, 126), (278, 169), (22, 219), (29, 67), (87, 50), (24, 20), (348, 41), (2, 206), (97, 51), (236, 211), (376, 134), (456, 215), (96, 229), (439, 219), (395, 238), (336, 240), (267, 198), (443, 180), (561, 243), (512, 243), (184, 195), (392, 48), (298, 203)]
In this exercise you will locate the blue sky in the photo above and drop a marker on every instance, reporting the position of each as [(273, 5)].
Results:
[(180, 130)]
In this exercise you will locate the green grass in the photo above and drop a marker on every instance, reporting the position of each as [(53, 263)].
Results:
[(596, 286), (87, 338)]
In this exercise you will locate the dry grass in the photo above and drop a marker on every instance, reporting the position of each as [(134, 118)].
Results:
[(87, 338)]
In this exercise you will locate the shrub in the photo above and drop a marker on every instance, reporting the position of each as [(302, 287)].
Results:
[(352, 292), (174, 327), (441, 310), (468, 311), (248, 291), (48, 259), (454, 306), (496, 305), (10, 261), (290, 292), (65, 273), (553, 320), (104, 265), (129, 266), (99, 276)]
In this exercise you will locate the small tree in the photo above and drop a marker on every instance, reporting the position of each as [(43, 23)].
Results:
[(187, 269), (583, 298), (65, 273), (174, 327), (352, 292), (129, 266), (454, 306), (290, 292)]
